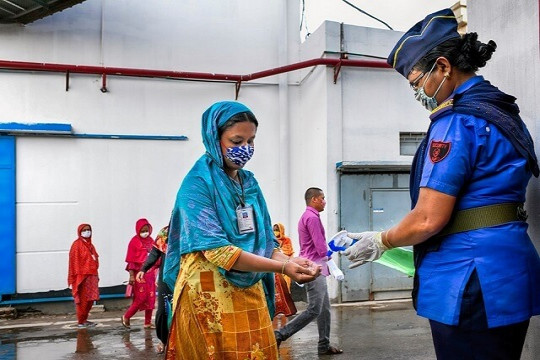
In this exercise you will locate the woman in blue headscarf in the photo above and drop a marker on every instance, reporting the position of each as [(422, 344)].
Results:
[(222, 251)]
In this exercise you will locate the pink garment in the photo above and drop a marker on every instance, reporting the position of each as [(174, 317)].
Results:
[(139, 247), (144, 293), (312, 239)]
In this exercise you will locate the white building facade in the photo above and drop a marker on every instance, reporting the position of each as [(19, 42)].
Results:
[(343, 131)]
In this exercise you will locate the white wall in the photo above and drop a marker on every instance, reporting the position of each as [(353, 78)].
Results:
[(111, 183), (515, 69), (307, 123), (357, 119)]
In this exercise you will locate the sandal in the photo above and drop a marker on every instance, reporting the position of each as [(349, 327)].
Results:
[(149, 326), (125, 323), (332, 350)]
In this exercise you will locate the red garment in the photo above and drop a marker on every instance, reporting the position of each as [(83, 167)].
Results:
[(144, 293), (83, 309), (83, 263), (283, 300)]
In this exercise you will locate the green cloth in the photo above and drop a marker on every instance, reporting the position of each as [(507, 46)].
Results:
[(398, 259)]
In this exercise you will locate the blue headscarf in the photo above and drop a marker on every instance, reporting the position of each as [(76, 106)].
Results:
[(204, 216)]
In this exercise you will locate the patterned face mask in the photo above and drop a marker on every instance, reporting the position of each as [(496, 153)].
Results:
[(240, 155)]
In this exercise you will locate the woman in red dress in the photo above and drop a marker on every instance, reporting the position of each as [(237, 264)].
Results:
[(83, 274), (144, 291)]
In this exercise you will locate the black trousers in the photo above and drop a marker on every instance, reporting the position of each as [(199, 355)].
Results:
[(472, 339), (164, 295)]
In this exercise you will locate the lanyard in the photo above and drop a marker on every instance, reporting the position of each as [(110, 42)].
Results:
[(241, 197)]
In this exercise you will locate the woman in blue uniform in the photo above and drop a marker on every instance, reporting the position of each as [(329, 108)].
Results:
[(477, 272)]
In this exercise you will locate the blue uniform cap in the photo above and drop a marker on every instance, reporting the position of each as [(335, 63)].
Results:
[(435, 29)]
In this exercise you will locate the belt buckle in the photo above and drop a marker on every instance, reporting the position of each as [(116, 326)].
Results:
[(521, 213)]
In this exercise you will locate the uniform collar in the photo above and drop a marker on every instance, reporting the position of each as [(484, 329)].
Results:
[(467, 85), (447, 104)]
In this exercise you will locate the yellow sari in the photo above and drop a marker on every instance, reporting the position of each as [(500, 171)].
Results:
[(215, 319)]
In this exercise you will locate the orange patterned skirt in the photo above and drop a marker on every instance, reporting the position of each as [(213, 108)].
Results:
[(214, 319)]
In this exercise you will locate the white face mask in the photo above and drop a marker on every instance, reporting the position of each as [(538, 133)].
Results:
[(86, 234), (144, 235)]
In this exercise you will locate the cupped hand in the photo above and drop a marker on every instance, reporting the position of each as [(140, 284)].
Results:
[(303, 262), (140, 277), (131, 280), (302, 273)]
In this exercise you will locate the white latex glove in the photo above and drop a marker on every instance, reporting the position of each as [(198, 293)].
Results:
[(343, 241), (369, 247)]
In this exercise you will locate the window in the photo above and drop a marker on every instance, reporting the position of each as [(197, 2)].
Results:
[(409, 142)]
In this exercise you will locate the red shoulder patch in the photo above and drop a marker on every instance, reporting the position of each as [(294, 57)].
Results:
[(438, 150)]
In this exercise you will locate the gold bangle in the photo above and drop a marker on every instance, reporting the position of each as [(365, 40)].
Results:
[(283, 266)]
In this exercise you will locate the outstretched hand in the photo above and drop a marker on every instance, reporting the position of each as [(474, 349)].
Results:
[(369, 247), (302, 270)]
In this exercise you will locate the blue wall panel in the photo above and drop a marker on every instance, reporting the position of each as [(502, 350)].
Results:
[(7, 215)]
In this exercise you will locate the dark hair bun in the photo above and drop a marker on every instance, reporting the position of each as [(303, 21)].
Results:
[(476, 53)]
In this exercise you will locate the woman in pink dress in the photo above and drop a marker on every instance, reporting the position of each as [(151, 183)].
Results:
[(144, 291)]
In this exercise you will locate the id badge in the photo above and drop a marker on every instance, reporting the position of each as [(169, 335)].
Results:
[(244, 216)]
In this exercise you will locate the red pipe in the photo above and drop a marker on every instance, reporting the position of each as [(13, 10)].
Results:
[(315, 62), (104, 70)]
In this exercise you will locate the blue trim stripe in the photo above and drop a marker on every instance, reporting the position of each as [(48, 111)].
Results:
[(56, 299), (46, 128), (130, 137), (7, 215), (65, 130)]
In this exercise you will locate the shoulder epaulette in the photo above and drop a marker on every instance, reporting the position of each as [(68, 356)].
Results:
[(442, 109)]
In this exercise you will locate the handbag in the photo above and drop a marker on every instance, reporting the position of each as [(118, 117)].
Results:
[(284, 302), (129, 290)]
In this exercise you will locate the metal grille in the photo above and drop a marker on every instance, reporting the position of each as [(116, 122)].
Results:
[(409, 142)]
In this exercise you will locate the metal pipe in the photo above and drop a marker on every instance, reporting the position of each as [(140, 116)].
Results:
[(100, 70), (315, 62), (168, 74)]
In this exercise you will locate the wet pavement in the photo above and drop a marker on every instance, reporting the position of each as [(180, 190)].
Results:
[(370, 330)]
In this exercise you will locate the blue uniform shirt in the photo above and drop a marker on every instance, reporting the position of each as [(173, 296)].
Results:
[(467, 157)]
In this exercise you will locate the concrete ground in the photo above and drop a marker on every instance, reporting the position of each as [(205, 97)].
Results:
[(369, 330)]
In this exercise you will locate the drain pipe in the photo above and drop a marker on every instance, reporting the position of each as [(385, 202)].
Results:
[(283, 179)]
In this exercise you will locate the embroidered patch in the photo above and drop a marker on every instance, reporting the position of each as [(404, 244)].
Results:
[(438, 150)]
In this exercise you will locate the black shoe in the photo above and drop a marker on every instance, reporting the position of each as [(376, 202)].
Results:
[(332, 350), (278, 338)]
